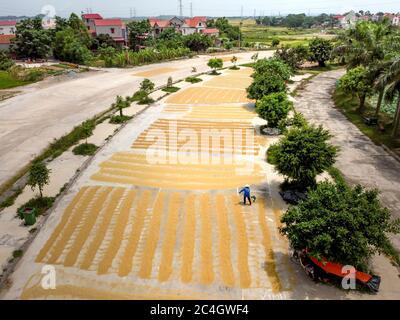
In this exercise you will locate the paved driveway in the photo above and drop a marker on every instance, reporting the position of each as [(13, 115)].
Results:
[(360, 160), (48, 110)]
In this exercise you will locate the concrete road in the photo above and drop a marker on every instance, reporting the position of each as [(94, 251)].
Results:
[(360, 160), (50, 109)]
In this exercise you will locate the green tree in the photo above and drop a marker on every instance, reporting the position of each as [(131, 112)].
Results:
[(265, 84), (197, 42), (214, 64), (138, 31), (5, 61), (293, 56), (87, 129), (357, 81), (147, 86), (68, 46), (275, 42), (390, 78), (31, 40), (367, 45), (103, 40), (107, 54), (341, 224), (320, 50), (274, 108), (273, 66), (303, 153), (38, 176), (120, 104)]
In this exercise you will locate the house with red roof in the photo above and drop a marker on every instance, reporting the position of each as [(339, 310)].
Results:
[(115, 28), (194, 25), (5, 41), (7, 27)]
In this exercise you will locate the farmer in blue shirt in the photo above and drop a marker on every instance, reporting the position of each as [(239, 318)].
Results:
[(246, 193)]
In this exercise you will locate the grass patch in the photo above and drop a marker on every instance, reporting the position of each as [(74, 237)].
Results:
[(193, 79), (85, 149), (57, 147), (119, 119), (11, 199), (40, 204), (8, 82), (170, 89), (348, 105), (336, 175), (234, 68)]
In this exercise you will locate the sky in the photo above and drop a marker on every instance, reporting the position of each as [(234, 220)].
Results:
[(127, 8)]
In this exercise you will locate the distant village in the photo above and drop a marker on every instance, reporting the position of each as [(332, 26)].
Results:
[(117, 30), (351, 18)]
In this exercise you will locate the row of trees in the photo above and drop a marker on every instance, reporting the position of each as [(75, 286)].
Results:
[(337, 222), (371, 52), (298, 20), (70, 41)]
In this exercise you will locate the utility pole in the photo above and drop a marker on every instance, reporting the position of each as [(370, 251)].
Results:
[(180, 8), (134, 12), (191, 9), (240, 27), (130, 13)]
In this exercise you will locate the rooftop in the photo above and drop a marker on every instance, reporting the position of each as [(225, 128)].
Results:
[(92, 16), (4, 23)]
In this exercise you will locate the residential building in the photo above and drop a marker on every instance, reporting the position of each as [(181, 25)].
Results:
[(194, 25), (212, 32), (347, 20), (7, 27), (5, 41), (158, 26), (115, 28), (184, 26), (89, 19)]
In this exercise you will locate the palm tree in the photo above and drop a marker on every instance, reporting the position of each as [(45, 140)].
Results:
[(366, 45), (390, 78)]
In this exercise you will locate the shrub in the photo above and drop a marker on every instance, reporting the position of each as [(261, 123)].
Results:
[(297, 121), (275, 42), (41, 204), (145, 100), (119, 119), (138, 95), (5, 61), (342, 224), (170, 89), (274, 108), (193, 79), (85, 149), (303, 153), (320, 50)]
